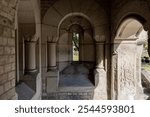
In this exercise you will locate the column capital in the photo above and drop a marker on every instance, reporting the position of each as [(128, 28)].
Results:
[(51, 39), (100, 38), (31, 38)]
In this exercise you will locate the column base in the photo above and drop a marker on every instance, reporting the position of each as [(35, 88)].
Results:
[(52, 68), (31, 71), (100, 91)]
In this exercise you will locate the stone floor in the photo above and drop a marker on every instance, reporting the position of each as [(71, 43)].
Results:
[(75, 75), (74, 80), (74, 84), (24, 91)]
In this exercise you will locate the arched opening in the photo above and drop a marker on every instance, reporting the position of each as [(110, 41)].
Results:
[(128, 47), (76, 53), (60, 70), (76, 38), (76, 46)]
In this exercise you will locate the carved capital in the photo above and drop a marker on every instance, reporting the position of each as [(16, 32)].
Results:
[(100, 38), (30, 38), (51, 39)]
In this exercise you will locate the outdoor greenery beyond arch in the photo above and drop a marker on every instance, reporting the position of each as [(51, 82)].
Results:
[(75, 46)]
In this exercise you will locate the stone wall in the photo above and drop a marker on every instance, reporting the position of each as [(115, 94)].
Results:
[(70, 96), (7, 49)]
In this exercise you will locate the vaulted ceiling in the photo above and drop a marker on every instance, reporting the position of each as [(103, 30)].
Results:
[(46, 4)]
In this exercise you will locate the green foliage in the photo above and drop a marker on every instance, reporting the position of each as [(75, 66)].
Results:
[(75, 41), (146, 66), (145, 45)]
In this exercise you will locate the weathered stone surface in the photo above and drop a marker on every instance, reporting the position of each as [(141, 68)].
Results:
[(100, 91), (126, 70), (1, 70), (7, 49), (52, 81), (11, 75), (7, 68), (3, 79), (1, 89), (7, 86)]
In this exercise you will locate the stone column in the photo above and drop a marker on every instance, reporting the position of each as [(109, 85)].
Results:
[(124, 80), (30, 56), (149, 46), (52, 75), (114, 73), (81, 46), (139, 92), (70, 49), (100, 91), (51, 46)]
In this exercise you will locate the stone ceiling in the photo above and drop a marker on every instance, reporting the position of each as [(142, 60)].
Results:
[(46, 4)]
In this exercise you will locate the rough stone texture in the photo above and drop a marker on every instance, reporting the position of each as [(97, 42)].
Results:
[(100, 92), (7, 49), (52, 81), (126, 69)]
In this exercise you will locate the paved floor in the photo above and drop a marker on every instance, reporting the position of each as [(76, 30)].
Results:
[(76, 75), (24, 91)]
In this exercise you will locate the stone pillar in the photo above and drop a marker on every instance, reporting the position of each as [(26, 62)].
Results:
[(30, 56), (81, 47), (52, 75), (124, 78), (51, 46), (139, 92), (114, 73), (100, 91), (149, 46), (70, 49)]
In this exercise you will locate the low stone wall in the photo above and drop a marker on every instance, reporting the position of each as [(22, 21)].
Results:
[(70, 96)]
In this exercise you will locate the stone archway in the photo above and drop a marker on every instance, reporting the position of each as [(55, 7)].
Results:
[(126, 78), (84, 67), (52, 19)]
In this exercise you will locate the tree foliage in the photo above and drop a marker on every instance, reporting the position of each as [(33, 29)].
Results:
[(75, 41)]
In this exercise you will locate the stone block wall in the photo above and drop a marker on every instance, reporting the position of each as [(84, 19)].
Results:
[(7, 49)]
